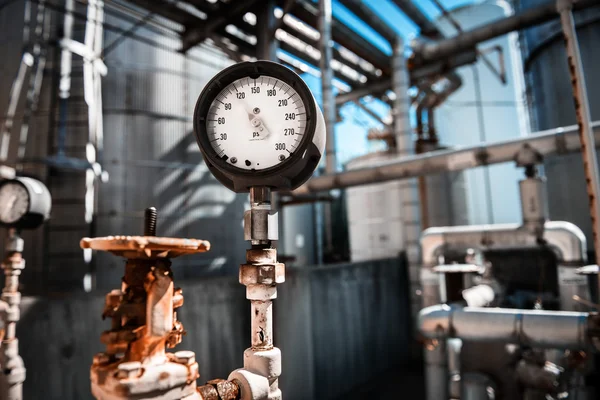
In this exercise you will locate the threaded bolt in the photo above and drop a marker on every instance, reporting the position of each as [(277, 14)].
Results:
[(150, 216)]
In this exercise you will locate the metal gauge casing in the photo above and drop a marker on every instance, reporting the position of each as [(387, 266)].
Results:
[(25, 203), (257, 124)]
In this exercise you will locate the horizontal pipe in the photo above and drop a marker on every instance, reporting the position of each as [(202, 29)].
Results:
[(426, 26), (373, 19), (542, 329), (469, 39), (366, 90), (565, 238), (558, 140)]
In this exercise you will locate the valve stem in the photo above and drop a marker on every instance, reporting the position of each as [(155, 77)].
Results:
[(150, 216)]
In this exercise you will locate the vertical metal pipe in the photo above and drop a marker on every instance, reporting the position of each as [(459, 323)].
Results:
[(586, 134), (436, 370), (405, 146), (266, 45), (582, 109), (476, 386), (454, 384), (401, 104), (482, 138), (262, 324), (325, 16)]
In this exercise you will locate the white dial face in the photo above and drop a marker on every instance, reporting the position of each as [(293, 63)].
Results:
[(255, 124), (14, 202)]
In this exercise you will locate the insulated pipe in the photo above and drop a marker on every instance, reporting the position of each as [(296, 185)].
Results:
[(454, 384), (469, 39), (541, 329), (564, 238), (559, 140), (404, 146), (569, 244), (436, 371), (476, 386)]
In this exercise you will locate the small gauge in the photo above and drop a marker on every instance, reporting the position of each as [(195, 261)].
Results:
[(24, 203), (257, 124)]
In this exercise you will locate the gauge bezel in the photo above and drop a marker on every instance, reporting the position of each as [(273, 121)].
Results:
[(38, 207), (278, 176), (19, 183)]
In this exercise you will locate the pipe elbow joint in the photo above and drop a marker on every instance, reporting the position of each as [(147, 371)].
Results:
[(431, 240), (434, 321), (252, 386), (568, 240)]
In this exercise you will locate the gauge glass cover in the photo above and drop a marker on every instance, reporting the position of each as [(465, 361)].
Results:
[(14, 202), (256, 123)]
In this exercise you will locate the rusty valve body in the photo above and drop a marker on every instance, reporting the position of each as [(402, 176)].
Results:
[(135, 364)]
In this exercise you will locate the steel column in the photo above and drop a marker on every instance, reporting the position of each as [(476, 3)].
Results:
[(325, 16)]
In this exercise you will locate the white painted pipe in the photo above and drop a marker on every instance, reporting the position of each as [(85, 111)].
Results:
[(541, 329)]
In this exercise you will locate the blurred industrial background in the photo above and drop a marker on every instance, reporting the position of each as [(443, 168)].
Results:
[(437, 111)]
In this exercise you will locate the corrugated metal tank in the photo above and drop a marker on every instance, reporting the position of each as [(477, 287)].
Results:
[(492, 191), (551, 105), (150, 152), (297, 234), (153, 159), (376, 215)]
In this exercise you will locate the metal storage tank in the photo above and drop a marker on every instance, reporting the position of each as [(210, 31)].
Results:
[(153, 159), (551, 106), (376, 217), (150, 152), (484, 109), (297, 235)]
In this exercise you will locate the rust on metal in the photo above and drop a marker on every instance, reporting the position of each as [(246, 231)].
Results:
[(261, 256), (135, 363), (262, 274), (219, 389), (148, 247)]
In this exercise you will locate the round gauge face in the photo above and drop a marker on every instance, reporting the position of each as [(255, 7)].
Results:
[(14, 202), (256, 123)]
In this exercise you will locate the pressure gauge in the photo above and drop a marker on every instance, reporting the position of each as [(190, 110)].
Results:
[(24, 203), (257, 124)]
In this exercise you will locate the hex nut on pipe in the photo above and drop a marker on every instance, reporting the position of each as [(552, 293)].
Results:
[(252, 386), (264, 362), (265, 274)]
